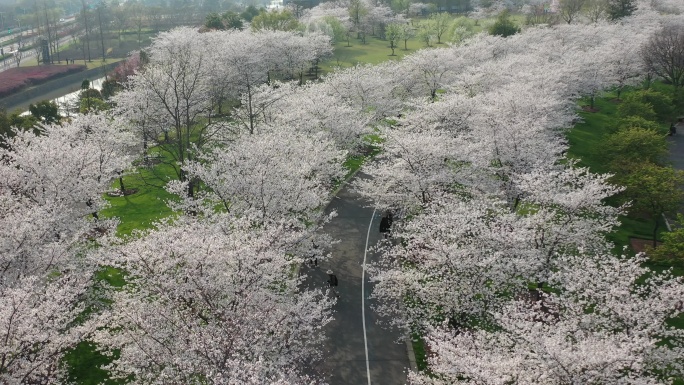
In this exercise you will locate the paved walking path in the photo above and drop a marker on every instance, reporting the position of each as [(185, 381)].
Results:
[(345, 361), (677, 147), (676, 156)]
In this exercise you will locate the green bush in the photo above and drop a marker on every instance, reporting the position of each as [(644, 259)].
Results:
[(660, 103), (631, 146), (637, 122), (632, 106), (504, 26)]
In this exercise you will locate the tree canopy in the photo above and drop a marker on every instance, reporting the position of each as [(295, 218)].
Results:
[(504, 26)]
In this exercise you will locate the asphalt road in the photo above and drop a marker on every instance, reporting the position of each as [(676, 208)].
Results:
[(345, 359), (27, 55)]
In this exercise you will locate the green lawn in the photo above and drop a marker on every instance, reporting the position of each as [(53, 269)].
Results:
[(84, 364), (141, 210), (376, 50), (585, 140), (373, 52)]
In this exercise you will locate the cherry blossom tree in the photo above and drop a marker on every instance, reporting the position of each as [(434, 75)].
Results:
[(474, 239), (663, 54), (326, 10), (176, 90), (313, 109), (66, 166), (214, 302), (378, 90), (274, 175), (626, 66), (570, 9), (295, 54), (596, 10), (423, 155), (51, 182), (37, 316), (669, 6), (249, 61), (179, 88), (432, 67), (606, 327)]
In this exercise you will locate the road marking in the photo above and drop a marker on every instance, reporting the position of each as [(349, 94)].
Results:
[(363, 297)]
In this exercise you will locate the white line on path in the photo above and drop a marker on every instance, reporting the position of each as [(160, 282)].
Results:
[(363, 297)]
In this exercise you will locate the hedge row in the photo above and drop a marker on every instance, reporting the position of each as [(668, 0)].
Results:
[(16, 79)]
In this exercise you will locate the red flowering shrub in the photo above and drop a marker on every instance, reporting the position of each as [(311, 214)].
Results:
[(127, 67), (15, 79)]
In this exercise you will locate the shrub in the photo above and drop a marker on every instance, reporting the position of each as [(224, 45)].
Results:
[(504, 26)]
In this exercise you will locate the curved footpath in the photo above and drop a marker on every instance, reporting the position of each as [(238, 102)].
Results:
[(356, 354)]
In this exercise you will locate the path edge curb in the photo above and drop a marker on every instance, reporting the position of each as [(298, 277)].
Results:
[(411, 354)]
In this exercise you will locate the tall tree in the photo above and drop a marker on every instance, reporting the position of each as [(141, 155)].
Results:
[(213, 301), (48, 184), (274, 21), (176, 85), (357, 11), (407, 33), (45, 112), (213, 21), (87, 26), (393, 33), (569, 9), (441, 23), (630, 147), (232, 20), (121, 16), (596, 10), (617, 9), (663, 54)]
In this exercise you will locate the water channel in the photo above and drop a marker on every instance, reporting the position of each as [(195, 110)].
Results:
[(66, 98)]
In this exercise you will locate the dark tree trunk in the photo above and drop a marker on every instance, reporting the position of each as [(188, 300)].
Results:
[(655, 232), (89, 203), (121, 185)]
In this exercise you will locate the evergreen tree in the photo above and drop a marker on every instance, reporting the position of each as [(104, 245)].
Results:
[(618, 9)]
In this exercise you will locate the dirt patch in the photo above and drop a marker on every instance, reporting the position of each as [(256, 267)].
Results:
[(642, 245), (590, 109)]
